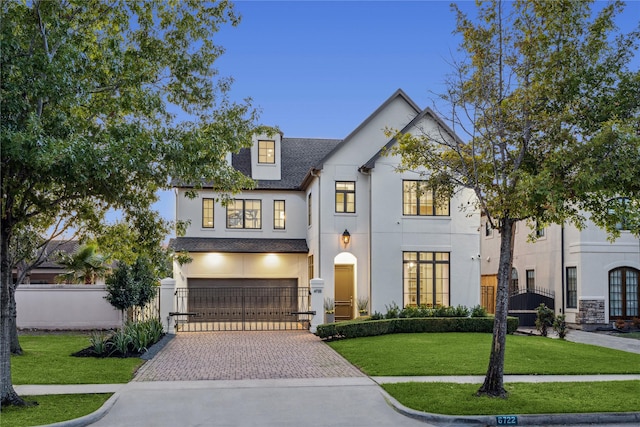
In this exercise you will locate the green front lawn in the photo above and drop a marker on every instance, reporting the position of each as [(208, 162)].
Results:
[(52, 409), (524, 398), (468, 354), (47, 360)]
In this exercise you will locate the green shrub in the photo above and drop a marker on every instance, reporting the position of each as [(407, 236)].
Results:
[(100, 343), (121, 342), (560, 326), (544, 319), (393, 311), (376, 316), (478, 311), (354, 329)]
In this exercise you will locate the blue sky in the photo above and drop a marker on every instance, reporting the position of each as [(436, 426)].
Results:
[(318, 69)]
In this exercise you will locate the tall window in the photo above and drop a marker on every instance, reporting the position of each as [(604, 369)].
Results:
[(531, 280), (345, 196), (309, 210), (426, 278), (244, 214), (278, 214), (539, 230), (572, 287), (419, 200), (310, 271), (207, 213), (514, 287), (623, 293), (266, 151)]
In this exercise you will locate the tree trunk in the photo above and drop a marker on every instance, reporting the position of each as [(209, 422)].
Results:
[(493, 383), (16, 349), (8, 396)]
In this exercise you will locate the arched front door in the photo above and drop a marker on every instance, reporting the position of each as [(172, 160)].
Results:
[(623, 293)]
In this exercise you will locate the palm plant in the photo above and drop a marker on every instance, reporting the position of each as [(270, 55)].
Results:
[(86, 265)]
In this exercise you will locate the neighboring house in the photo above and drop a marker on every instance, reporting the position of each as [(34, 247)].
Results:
[(331, 209), (577, 272), (47, 272)]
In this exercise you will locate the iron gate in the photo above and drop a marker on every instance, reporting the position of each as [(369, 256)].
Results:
[(242, 309)]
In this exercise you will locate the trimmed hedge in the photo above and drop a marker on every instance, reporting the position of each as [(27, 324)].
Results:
[(369, 328)]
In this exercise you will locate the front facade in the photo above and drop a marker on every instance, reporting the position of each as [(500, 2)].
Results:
[(590, 279), (335, 210)]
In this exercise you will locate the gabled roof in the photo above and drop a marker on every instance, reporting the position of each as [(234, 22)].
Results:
[(55, 247), (370, 164), (298, 156), (208, 244), (397, 94)]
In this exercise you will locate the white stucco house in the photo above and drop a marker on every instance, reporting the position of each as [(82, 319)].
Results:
[(590, 279), (335, 211)]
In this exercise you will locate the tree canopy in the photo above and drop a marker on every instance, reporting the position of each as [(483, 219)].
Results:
[(548, 113), (103, 104)]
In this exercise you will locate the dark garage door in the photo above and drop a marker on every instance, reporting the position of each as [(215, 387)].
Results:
[(242, 304)]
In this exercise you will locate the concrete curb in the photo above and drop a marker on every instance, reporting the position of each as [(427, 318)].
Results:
[(89, 418), (523, 420)]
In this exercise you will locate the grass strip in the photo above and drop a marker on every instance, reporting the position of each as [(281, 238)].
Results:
[(524, 398), (52, 409), (47, 360), (468, 354)]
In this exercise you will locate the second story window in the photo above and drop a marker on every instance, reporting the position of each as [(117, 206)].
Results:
[(419, 200), (207, 213), (309, 210), (345, 197), (278, 215), (244, 214), (266, 151)]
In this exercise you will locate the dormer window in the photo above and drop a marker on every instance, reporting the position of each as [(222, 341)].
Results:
[(266, 151)]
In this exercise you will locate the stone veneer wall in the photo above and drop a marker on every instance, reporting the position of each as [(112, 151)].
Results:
[(590, 312)]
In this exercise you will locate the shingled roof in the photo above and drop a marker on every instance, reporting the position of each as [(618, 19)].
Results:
[(298, 157), (209, 244)]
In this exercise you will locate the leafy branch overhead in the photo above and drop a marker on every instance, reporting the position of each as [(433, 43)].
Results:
[(103, 104), (547, 110)]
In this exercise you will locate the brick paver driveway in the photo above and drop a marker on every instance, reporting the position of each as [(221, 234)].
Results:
[(245, 355)]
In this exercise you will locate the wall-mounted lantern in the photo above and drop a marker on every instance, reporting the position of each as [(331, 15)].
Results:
[(346, 237)]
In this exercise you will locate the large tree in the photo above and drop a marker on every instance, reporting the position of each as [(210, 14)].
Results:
[(547, 110), (93, 95)]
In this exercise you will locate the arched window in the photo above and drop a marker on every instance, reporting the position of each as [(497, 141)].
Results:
[(513, 286), (623, 293)]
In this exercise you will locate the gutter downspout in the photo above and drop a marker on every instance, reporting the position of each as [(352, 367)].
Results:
[(562, 267), (314, 174)]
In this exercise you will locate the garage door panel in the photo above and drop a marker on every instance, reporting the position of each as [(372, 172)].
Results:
[(245, 300)]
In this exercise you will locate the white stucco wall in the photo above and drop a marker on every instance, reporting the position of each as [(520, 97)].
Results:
[(295, 212), (65, 307), (231, 265)]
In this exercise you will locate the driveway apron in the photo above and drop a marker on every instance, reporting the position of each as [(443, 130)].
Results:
[(192, 356)]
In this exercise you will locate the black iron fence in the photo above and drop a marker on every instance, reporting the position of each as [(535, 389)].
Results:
[(523, 303), (241, 308)]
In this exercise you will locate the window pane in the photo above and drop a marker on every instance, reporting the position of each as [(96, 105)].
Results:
[(252, 214), (266, 152), (632, 293), (340, 202), (409, 198), (351, 203), (425, 202), (234, 214), (615, 293), (531, 280), (572, 287), (207, 213), (426, 284), (278, 214)]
